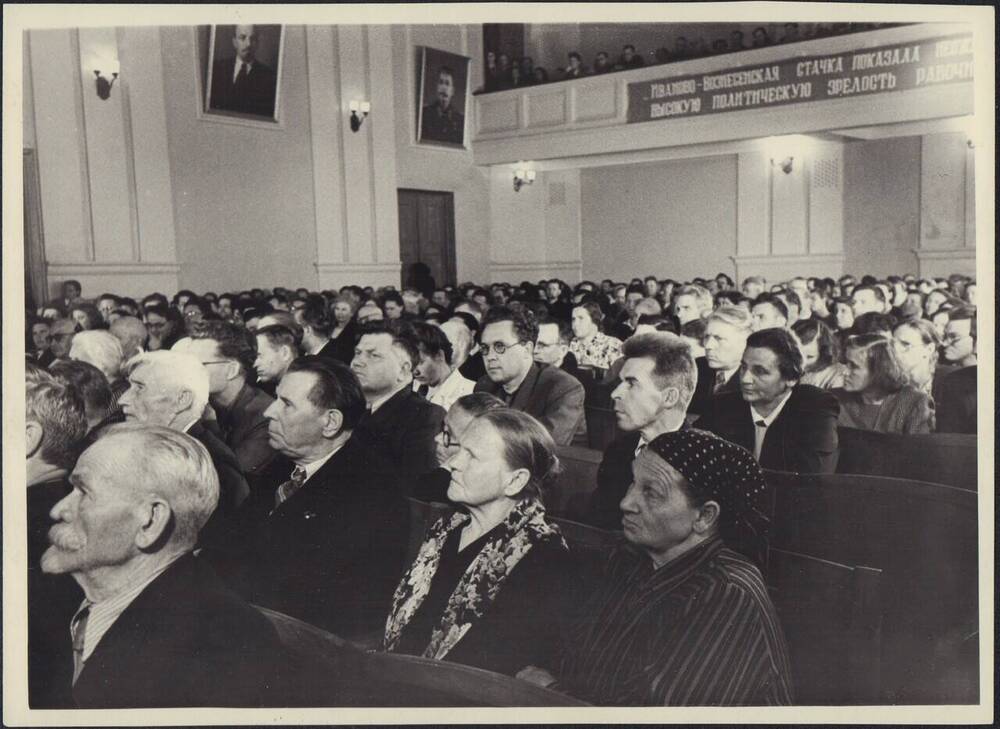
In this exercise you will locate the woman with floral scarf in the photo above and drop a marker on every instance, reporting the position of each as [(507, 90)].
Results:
[(491, 585)]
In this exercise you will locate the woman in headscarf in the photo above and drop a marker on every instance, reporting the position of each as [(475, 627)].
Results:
[(492, 583), (683, 617)]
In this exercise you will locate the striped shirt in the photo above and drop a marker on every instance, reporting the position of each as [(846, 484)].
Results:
[(104, 614), (699, 631)]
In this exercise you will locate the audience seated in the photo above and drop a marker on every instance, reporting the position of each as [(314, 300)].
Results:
[(92, 387), (820, 354), (590, 347), (787, 426), (126, 533), (875, 395), (543, 391), (55, 427), (437, 377), (326, 544), (398, 422), (657, 383), (491, 585), (725, 338), (959, 338), (683, 617), (553, 345)]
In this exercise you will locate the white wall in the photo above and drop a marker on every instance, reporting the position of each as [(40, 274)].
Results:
[(673, 219)]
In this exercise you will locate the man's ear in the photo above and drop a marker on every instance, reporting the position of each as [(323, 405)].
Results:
[(708, 517), (671, 396), (155, 522), (33, 435), (333, 422), (185, 398), (232, 370)]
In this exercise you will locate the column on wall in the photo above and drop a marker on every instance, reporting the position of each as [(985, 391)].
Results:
[(356, 219), (947, 205), (103, 167), (790, 209)]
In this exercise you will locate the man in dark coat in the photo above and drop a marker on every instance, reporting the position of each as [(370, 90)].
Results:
[(442, 121), (243, 83), (156, 628), (787, 426), (543, 391), (328, 547), (55, 427), (399, 423)]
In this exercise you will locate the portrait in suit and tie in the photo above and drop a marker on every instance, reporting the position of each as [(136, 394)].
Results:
[(244, 70)]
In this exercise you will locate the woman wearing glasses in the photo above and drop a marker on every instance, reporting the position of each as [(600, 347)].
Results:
[(492, 583), (876, 394)]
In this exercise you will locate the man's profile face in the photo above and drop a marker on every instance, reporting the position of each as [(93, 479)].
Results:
[(864, 301), (245, 43), (549, 348), (767, 316), (207, 350), (40, 335), (147, 400), (377, 364), (958, 341), (97, 521), (271, 361), (686, 309), (638, 400), (393, 310), (294, 423), (724, 345), (516, 358), (445, 89)]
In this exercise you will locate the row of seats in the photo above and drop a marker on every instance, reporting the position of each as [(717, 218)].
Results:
[(946, 458)]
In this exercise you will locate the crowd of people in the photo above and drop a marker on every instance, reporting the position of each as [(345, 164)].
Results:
[(504, 71), (191, 456)]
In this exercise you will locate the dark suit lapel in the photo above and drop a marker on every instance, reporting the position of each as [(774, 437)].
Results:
[(524, 397)]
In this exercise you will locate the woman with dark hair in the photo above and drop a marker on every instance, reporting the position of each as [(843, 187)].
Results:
[(493, 582), (86, 316), (820, 354), (682, 616), (876, 394)]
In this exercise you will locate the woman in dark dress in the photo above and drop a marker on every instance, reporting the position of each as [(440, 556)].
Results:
[(344, 334), (492, 585)]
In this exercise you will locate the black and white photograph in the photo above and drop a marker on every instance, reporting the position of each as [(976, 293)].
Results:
[(591, 364), (244, 72), (443, 91)]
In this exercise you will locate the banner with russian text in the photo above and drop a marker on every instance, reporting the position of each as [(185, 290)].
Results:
[(878, 70)]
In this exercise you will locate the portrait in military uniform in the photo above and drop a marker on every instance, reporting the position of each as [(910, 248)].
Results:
[(443, 93), (243, 70)]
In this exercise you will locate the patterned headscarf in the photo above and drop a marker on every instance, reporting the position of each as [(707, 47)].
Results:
[(726, 473)]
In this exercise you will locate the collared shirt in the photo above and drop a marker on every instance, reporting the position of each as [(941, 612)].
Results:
[(382, 400), (190, 425), (722, 376), (238, 66), (600, 351), (453, 387), (319, 347), (699, 631), (761, 424), (311, 468), (104, 614)]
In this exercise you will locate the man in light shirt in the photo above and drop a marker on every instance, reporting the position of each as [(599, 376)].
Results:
[(437, 377), (156, 628)]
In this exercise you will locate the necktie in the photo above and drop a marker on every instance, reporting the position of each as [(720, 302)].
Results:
[(288, 488), (758, 444), (720, 380), (78, 630)]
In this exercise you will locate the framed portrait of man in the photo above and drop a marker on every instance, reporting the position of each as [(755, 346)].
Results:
[(244, 71), (444, 80)]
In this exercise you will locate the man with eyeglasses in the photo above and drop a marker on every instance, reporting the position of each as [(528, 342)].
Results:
[(555, 398), (228, 351), (552, 345)]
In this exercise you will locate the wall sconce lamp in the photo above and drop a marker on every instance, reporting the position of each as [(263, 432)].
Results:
[(786, 165), (523, 177), (359, 106), (106, 79)]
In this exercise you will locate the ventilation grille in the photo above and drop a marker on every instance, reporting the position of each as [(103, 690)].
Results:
[(557, 193), (826, 173)]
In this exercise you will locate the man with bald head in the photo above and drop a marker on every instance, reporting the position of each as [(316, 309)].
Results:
[(171, 388), (243, 84), (156, 627)]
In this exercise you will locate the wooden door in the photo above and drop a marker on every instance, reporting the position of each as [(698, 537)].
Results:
[(427, 233)]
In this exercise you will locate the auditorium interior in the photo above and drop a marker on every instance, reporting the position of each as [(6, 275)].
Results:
[(820, 151)]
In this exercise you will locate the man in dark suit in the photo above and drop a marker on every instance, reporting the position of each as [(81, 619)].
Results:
[(55, 427), (543, 391), (228, 351), (156, 628), (399, 423), (243, 83), (787, 426), (657, 383), (552, 346), (328, 547), (171, 389), (441, 121), (726, 332)]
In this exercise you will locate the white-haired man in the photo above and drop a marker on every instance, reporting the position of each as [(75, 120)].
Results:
[(156, 628), (726, 332), (170, 388), (103, 350)]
